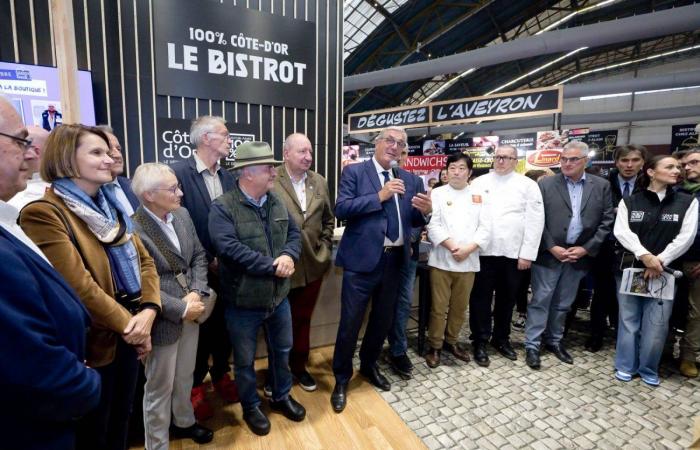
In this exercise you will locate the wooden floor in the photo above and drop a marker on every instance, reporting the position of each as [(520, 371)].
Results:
[(368, 422)]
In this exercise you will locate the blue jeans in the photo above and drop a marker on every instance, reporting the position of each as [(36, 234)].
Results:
[(553, 293), (641, 333), (243, 326), (398, 341)]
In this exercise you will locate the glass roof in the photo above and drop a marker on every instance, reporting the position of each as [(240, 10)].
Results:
[(361, 18)]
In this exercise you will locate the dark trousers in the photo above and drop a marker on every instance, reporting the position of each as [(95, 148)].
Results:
[(302, 301), (604, 307), (213, 340), (107, 426), (382, 285), (523, 288), (500, 275)]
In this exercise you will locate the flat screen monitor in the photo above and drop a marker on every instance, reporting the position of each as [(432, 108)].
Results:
[(35, 93)]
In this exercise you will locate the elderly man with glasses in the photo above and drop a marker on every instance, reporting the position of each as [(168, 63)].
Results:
[(517, 218), (578, 216)]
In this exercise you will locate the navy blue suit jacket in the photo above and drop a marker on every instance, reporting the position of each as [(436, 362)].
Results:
[(358, 203), (42, 335), (196, 198), (125, 183)]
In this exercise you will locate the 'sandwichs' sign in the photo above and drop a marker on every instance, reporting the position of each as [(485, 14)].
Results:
[(507, 105)]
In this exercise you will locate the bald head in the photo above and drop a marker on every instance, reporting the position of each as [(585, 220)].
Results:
[(298, 154), (14, 155), (38, 135)]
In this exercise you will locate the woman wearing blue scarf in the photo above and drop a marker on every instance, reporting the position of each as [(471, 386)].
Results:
[(85, 233)]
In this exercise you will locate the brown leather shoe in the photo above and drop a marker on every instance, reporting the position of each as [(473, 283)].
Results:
[(457, 352), (432, 358), (689, 369)]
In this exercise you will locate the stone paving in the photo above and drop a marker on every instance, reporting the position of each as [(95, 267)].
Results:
[(508, 405)]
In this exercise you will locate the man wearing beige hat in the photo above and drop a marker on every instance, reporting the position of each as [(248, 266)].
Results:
[(257, 243)]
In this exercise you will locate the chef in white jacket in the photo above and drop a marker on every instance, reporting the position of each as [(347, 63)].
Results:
[(459, 228), (517, 213)]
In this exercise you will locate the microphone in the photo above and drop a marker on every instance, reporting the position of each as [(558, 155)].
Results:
[(395, 172), (673, 272)]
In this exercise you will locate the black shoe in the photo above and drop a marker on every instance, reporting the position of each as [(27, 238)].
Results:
[(196, 432), (257, 421), (375, 377), (505, 349), (401, 365), (480, 355), (594, 344), (339, 397), (290, 408), (560, 352), (532, 358), (306, 381)]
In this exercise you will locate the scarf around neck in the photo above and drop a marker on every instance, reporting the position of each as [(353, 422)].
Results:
[(106, 218)]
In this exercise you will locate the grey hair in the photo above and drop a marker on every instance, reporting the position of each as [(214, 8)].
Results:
[(577, 145), (385, 131), (148, 177), (105, 128), (288, 140), (203, 125), (515, 150)]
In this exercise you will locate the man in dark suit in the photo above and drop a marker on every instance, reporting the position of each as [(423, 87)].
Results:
[(51, 118), (629, 160), (203, 179), (120, 184), (46, 384), (578, 216), (379, 205)]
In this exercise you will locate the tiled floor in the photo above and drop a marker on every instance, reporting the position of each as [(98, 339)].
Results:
[(508, 405)]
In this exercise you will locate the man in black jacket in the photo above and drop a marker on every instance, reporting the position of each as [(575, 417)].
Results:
[(629, 160)]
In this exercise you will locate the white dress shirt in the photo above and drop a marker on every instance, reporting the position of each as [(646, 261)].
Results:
[(212, 181), (167, 227), (300, 190), (516, 212), (36, 187), (399, 241), (8, 220), (676, 248), (461, 216), (122, 198)]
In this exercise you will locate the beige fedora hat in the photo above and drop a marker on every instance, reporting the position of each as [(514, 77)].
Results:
[(254, 153)]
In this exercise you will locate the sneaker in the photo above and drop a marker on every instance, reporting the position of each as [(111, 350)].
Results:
[(306, 381), (520, 322), (652, 381), (227, 389), (623, 376), (202, 408), (267, 391)]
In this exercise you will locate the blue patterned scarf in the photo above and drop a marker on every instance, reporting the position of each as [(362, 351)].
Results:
[(103, 215)]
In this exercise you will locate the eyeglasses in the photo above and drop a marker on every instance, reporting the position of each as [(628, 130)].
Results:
[(391, 141), (25, 144), (691, 163), (225, 135), (504, 158), (573, 159), (173, 190)]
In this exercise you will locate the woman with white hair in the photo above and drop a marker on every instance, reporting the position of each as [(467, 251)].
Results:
[(169, 235)]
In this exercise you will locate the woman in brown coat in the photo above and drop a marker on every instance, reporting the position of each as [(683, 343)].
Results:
[(85, 233)]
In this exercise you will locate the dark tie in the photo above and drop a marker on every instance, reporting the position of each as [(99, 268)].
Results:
[(392, 223), (626, 190)]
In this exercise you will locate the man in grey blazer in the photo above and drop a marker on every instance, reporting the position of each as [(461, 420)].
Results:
[(578, 218), (168, 234)]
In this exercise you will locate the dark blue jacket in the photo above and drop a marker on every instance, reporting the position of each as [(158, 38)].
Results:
[(45, 383), (125, 183), (358, 203), (196, 198)]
